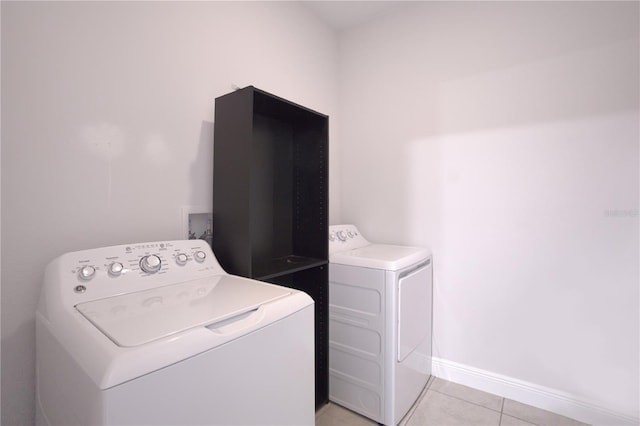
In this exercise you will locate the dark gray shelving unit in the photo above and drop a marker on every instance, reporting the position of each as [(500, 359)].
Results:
[(270, 200)]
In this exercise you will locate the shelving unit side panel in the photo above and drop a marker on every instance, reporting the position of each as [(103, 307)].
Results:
[(232, 149), (311, 182)]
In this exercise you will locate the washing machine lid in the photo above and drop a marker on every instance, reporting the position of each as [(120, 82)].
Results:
[(134, 319), (381, 256)]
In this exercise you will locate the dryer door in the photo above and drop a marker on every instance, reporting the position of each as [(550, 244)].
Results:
[(414, 308)]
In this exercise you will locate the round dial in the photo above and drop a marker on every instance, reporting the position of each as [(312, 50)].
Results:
[(181, 258), (116, 268), (87, 272), (332, 236), (342, 236), (200, 256), (151, 263)]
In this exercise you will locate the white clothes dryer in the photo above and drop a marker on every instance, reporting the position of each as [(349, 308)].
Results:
[(158, 334), (380, 304)]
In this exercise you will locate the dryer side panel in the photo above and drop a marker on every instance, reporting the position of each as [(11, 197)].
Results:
[(414, 310), (412, 337)]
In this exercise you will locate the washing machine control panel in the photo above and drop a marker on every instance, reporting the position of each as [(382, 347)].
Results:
[(109, 271), (345, 237)]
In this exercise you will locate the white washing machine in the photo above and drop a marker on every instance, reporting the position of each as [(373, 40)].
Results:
[(158, 334), (380, 303)]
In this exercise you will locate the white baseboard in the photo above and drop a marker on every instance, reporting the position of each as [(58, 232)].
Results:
[(530, 393)]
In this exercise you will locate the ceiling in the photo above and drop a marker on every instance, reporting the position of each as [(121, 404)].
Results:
[(341, 15)]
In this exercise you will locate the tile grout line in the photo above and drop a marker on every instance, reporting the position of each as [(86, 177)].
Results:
[(514, 416), (424, 393), (466, 400), (479, 405), (414, 407)]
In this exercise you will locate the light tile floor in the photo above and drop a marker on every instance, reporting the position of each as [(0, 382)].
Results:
[(444, 403)]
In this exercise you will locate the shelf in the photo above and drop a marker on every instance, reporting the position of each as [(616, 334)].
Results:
[(285, 265)]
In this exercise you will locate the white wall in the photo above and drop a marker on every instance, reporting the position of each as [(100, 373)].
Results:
[(0, 222), (504, 135), (107, 113)]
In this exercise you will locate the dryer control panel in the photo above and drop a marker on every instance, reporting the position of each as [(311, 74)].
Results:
[(345, 237)]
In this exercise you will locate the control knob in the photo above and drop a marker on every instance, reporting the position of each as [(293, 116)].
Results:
[(342, 236), (87, 272), (116, 268), (150, 263), (200, 256), (181, 259)]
